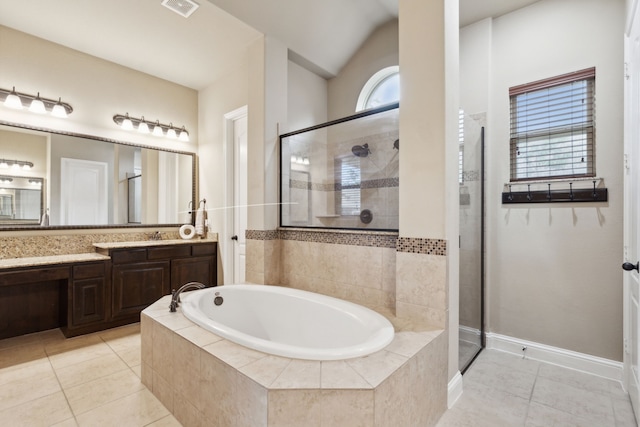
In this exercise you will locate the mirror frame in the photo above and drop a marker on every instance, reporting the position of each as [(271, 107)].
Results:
[(112, 141)]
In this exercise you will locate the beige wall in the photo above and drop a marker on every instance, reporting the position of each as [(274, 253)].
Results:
[(379, 51), (97, 89), (553, 270)]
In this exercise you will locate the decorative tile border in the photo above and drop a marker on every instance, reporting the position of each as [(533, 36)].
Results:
[(262, 234), (422, 246), (354, 238), (372, 183)]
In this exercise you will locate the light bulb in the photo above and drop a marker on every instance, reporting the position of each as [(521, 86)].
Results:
[(37, 106), (26, 167), (157, 129), (127, 124), (184, 135), (305, 161), (143, 127), (59, 110), (4, 164), (171, 132), (13, 100), (15, 166)]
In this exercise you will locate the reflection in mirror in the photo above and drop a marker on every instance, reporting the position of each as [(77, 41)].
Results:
[(88, 181)]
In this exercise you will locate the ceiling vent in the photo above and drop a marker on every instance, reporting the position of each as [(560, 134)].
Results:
[(181, 7)]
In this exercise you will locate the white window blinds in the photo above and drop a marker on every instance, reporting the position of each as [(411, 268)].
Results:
[(552, 127)]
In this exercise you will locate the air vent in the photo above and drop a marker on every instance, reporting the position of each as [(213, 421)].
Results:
[(181, 7)]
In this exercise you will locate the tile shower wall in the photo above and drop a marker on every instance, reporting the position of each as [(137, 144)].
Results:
[(358, 267), (421, 280), (319, 167)]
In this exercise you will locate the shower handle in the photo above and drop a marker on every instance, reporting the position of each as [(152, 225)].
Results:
[(627, 266)]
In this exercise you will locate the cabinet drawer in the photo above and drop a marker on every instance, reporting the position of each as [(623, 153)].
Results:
[(129, 255), (203, 249), (86, 271), (169, 252)]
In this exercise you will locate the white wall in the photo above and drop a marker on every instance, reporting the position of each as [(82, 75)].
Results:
[(553, 270)]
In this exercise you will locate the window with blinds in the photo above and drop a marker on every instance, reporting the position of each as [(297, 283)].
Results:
[(552, 127), (348, 176)]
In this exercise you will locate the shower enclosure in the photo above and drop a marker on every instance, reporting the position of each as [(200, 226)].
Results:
[(342, 174), (471, 180)]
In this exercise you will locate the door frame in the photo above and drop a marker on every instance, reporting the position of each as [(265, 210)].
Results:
[(631, 162), (229, 173)]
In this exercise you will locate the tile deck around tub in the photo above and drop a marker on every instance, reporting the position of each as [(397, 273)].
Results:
[(223, 373)]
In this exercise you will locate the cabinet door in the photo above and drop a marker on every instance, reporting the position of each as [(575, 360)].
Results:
[(194, 269), (135, 286), (87, 301)]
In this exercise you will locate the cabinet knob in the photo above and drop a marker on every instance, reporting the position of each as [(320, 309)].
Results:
[(234, 237), (627, 266)]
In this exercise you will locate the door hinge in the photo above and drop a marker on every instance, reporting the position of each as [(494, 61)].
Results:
[(626, 161), (626, 346), (626, 71)]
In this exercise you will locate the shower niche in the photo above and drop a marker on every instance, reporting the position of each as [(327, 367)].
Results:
[(342, 174)]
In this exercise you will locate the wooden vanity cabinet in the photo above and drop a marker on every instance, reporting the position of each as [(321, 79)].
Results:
[(81, 297), (87, 294), (140, 276)]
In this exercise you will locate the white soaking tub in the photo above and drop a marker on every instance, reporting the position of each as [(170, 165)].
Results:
[(288, 322)]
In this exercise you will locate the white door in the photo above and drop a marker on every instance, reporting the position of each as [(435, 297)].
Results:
[(236, 128), (83, 192), (632, 213)]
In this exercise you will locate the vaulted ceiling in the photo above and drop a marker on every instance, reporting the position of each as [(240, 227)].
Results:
[(195, 51)]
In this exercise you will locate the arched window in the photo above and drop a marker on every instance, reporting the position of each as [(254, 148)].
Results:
[(382, 88)]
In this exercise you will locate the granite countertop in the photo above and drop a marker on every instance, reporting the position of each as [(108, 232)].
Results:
[(145, 243), (50, 260)]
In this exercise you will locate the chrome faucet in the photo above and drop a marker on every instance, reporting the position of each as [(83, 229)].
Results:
[(156, 236), (175, 295)]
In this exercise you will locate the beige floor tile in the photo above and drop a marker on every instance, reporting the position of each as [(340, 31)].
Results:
[(138, 409), (17, 392), (579, 379), (70, 422), (23, 363), (80, 354), (39, 338), (43, 411), (90, 370), (92, 394), (573, 400), (168, 421), (545, 416)]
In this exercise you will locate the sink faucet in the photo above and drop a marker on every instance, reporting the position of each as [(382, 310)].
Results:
[(175, 295), (156, 236)]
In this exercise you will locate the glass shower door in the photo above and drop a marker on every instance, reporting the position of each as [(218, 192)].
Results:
[(471, 180)]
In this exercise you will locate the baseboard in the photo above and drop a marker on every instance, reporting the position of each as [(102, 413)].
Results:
[(454, 389), (557, 356), (468, 334)]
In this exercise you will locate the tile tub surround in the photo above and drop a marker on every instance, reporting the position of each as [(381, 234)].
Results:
[(204, 379)]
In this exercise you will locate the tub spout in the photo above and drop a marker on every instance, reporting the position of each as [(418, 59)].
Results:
[(175, 295)]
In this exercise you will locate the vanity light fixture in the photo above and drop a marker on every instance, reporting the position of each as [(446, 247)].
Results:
[(15, 164), (35, 182), (5, 179), (145, 126), (37, 104)]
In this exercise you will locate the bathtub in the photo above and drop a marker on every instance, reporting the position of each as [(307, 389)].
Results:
[(288, 322)]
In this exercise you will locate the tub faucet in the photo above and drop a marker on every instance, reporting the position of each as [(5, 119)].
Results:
[(175, 295)]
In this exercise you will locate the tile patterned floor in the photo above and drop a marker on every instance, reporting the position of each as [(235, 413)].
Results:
[(93, 380), (502, 389)]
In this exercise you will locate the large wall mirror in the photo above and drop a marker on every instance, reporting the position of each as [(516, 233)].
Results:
[(52, 179)]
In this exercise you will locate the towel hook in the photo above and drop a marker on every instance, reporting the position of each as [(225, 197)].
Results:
[(203, 201), (510, 197), (529, 192), (549, 191), (595, 195)]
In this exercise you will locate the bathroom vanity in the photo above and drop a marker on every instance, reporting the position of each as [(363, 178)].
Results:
[(89, 292)]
